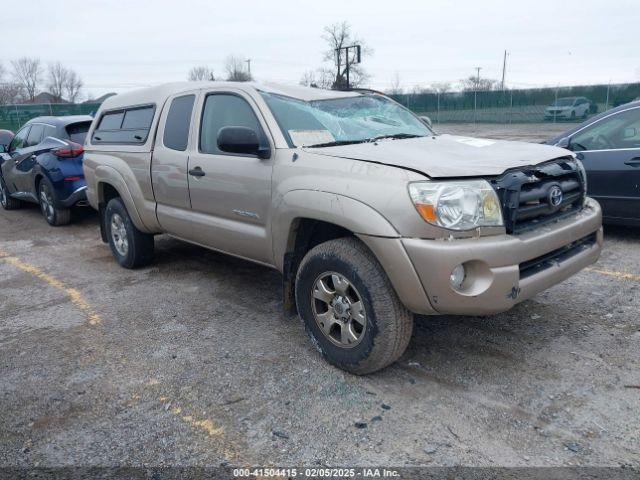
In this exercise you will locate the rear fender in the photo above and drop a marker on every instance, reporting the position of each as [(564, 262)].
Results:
[(110, 176)]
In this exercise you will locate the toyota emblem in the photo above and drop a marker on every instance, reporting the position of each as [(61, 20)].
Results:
[(555, 196)]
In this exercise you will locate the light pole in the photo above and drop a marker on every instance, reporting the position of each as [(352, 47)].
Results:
[(475, 96)]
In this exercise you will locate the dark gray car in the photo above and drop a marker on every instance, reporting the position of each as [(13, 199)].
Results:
[(609, 147)]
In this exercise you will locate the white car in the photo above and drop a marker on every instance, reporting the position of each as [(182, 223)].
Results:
[(568, 108)]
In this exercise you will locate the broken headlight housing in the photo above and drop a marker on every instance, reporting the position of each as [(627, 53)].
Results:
[(457, 205)]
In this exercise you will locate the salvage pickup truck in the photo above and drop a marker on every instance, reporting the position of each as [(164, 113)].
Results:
[(369, 215)]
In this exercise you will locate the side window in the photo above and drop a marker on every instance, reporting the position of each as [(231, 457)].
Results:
[(20, 139), (111, 121), (125, 126), (35, 135), (49, 131), (621, 130), (176, 129), (224, 110), (138, 119)]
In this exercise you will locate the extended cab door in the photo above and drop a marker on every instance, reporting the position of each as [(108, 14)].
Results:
[(230, 193), (170, 161), (610, 152)]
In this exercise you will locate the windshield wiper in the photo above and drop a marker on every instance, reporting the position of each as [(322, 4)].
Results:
[(364, 140), (337, 143), (395, 136)]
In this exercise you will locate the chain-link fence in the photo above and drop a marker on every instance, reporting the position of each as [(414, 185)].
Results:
[(12, 117), (520, 106)]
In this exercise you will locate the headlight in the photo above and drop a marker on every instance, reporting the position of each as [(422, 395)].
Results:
[(457, 205)]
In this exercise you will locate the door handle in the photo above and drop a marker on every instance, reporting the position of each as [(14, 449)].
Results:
[(197, 172), (634, 162)]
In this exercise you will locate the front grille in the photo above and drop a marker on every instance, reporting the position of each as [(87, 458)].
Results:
[(531, 267), (528, 195)]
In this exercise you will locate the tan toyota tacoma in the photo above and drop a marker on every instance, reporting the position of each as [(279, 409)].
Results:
[(369, 215)]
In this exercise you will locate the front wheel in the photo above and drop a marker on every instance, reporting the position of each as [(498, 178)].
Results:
[(349, 308), (53, 215), (7, 202), (131, 247)]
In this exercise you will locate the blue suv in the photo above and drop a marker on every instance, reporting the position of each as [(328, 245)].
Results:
[(43, 164)]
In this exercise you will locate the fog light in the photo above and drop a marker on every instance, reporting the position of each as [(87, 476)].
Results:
[(457, 277)]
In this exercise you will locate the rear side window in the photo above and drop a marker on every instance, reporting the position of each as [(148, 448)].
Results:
[(111, 121), (49, 131), (176, 129), (35, 135), (130, 125), (77, 132)]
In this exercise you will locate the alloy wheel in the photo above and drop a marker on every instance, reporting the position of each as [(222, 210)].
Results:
[(119, 235), (338, 310), (46, 202)]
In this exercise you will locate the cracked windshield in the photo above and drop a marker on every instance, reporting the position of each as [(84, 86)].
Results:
[(343, 121)]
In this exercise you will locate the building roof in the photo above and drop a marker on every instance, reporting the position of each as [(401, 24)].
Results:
[(46, 97)]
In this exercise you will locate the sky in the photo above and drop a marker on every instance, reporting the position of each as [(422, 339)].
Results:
[(118, 46)]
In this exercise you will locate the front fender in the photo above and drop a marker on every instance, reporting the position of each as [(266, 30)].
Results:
[(374, 230), (340, 210), (110, 176)]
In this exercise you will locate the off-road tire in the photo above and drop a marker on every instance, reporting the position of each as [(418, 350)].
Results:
[(53, 215), (388, 322), (7, 202), (140, 245)]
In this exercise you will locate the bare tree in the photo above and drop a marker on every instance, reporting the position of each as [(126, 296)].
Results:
[(58, 78), (73, 86), (9, 91), (26, 73), (320, 78), (396, 85), (473, 84), (337, 36), (236, 71), (441, 87), (200, 73)]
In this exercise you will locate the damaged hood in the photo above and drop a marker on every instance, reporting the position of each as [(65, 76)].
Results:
[(445, 156)]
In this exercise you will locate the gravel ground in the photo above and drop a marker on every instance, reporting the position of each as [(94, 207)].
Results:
[(192, 362)]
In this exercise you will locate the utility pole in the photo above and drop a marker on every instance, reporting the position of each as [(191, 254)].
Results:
[(248, 60), (475, 96), (504, 69)]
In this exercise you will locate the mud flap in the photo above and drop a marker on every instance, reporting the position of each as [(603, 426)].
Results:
[(103, 227)]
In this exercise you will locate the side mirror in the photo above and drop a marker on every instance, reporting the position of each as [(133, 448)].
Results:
[(4, 148), (564, 142), (426, 120), (241, 140), (629, 132)]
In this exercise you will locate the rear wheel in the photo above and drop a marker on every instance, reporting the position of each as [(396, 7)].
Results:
[(7, 202), (53, 215), (131, 247), (349, 308)]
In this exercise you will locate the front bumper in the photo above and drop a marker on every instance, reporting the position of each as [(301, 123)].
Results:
[(494, 264), (563, 114)]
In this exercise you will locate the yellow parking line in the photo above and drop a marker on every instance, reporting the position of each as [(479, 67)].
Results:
[(74, 295), (203, 424), (612, 273)]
